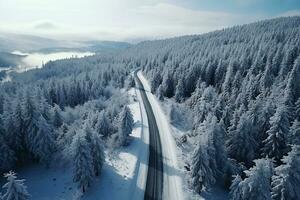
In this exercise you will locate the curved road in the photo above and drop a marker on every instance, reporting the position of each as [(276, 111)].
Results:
[(154, 184)]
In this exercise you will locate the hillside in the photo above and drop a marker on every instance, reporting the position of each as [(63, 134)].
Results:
[(242, 86)]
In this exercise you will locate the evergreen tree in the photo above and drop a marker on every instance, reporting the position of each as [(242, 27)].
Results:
[(15, 189), (168, 85), (103, 125), (30, 119), (160, 93), (43, 142), (64, 135), (257, 184), (14, 129), (83, 166), (155, 82), (57, 120), (18, 128), (179, 92), (241, 144), (235, 188), (97, 153), (96, 147), (286, 181), (297, 109), (275, 145), (125, 126), (294, 136), (7, 155), (209, 160)]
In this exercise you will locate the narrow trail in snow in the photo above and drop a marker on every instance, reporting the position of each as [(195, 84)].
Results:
[(154, 184)]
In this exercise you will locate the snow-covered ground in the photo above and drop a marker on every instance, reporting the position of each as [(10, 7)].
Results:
[(172, 173), (184, 152), (123, 176)]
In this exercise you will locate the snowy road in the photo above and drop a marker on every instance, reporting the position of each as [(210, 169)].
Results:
[(163, 179), (154, 184)]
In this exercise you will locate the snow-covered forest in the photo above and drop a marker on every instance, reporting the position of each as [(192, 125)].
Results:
[(242, 86), (66, 112), (238, 90)]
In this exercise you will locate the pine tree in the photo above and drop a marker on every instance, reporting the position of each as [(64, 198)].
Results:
[(103, 125), (286, 181), (160, 93), (97, 153), (168, 86), (43, 142), (125, 126), (297, 109), (30, 119), (275, 145), (83, 166), (155, 82), (15, 189), (96, 147), (18, 128), (235, 188), (13, 124), (7, 155), (179, 92), (241, 144), (57, 120), (294, 136), (202, 174), (209, 160), (257, 184)]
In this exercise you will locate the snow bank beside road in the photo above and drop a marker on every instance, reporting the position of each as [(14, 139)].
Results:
[(172, 176)]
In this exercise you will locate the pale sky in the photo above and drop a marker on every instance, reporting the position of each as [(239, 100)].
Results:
[(134, 20)]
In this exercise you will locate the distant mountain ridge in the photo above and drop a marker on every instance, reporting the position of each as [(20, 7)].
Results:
[(27, 43)]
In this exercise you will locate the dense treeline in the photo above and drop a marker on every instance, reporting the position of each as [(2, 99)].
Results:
[(68, 110), (242, 85)]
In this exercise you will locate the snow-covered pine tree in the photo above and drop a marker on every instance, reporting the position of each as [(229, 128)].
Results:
[(202, 175), (18, 127), (43, 141), (241, 144), (103, 125), (286, 181), (83, 162), (293, 84), (179, 92), (156, 82), (96, 147), (7, 155), (125, 126), (297, 109), (160, 93), (97, 153), (294, 136), (168, 85), (257, 184), (275, 146), (209, 160), (11, 135), (15, 189), (57, 120), (235, 188), (30, 119)]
